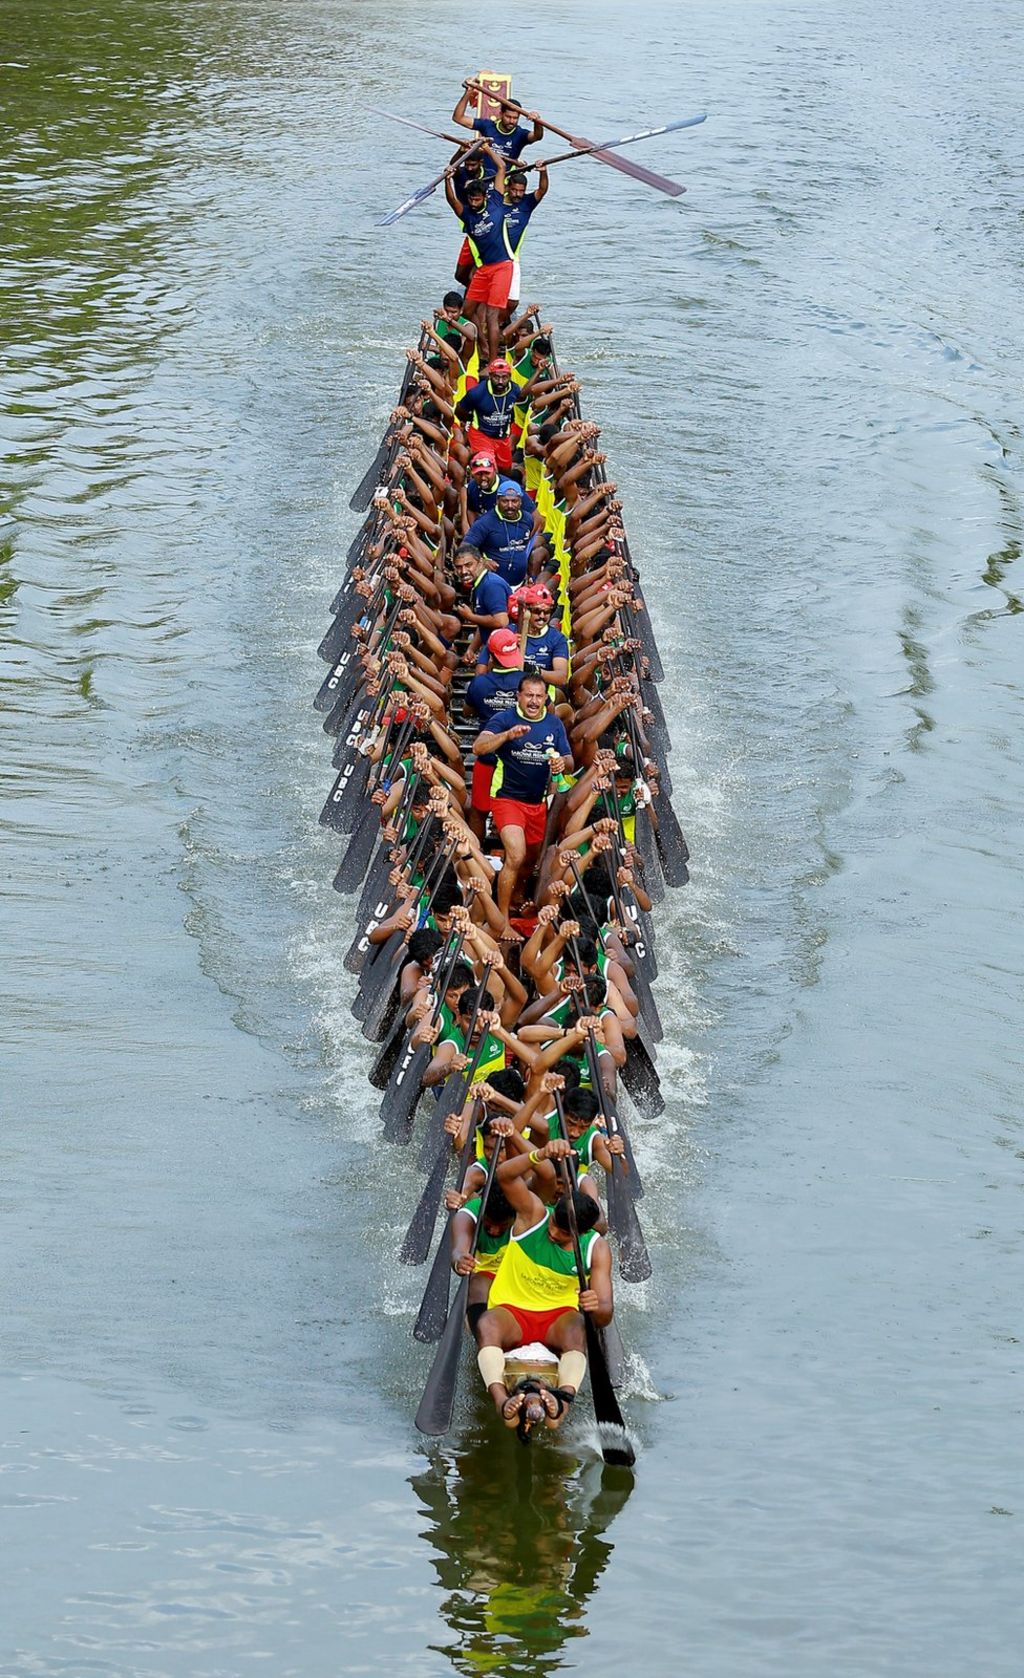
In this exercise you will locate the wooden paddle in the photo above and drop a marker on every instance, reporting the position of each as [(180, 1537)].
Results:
[(626, 140), (638, 172), (434, 1415)]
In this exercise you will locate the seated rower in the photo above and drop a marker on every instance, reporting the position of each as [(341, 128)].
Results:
[(492, 1243), (486, 605), (589, 1138), (508, 535), (486, 1047), (536, 1294)]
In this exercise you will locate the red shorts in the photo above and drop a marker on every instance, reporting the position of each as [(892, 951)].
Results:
[(480, 797), (535, 1325), (491, 284), (498, 447), (510, 812), (465, 255)]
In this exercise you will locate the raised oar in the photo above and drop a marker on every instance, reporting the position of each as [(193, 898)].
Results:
[(626, 140), (616, 1448), (438, 133), (424, 192), (672, 188), (434, 1415), (433, 1311)]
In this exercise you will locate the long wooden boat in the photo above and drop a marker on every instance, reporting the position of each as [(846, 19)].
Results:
[(394, 703)]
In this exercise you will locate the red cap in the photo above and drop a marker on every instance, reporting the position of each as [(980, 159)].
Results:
[(503, 646), (499, 365), (482, 460)]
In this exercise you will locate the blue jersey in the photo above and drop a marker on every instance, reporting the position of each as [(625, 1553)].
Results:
[(480, 500), (509, 144), (523, 771), (542, 650), (487, 410), (490, 692), (489, 594), (484, 228), (517, 217), (507, 542)]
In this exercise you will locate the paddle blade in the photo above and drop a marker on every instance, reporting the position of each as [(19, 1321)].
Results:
[(434, 1415), (402, 1093), (615, 1443), (356, 861), (383, 1067), (641, 1080), (374, 474), (418, 1236), (634, 1259), (344, 802), (672, 847), (335, 683), (433, 1311)]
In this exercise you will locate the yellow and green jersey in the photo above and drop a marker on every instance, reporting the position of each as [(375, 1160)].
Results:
[(490, 1248), (492, 1058), (537, 1274)]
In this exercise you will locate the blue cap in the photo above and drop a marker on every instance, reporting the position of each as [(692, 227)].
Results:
[(508, 486)]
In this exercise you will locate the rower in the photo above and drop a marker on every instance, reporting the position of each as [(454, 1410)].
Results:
[(522, 739), (481, 494), (536, 1294), (492, 1242), (454, 326), (482, 215), (488, 594), (487, 411), (507, 535), (479, 487), (590, 1140)]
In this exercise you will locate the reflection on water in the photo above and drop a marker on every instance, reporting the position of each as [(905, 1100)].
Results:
[(521, 1546)]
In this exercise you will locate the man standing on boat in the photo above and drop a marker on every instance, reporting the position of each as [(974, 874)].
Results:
[(519, 207), (530, 746), (482, 216), (504, 134), (492, 689), (536, 1294)]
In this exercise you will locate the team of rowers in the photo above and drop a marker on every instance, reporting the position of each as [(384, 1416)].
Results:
[(498, 694)]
